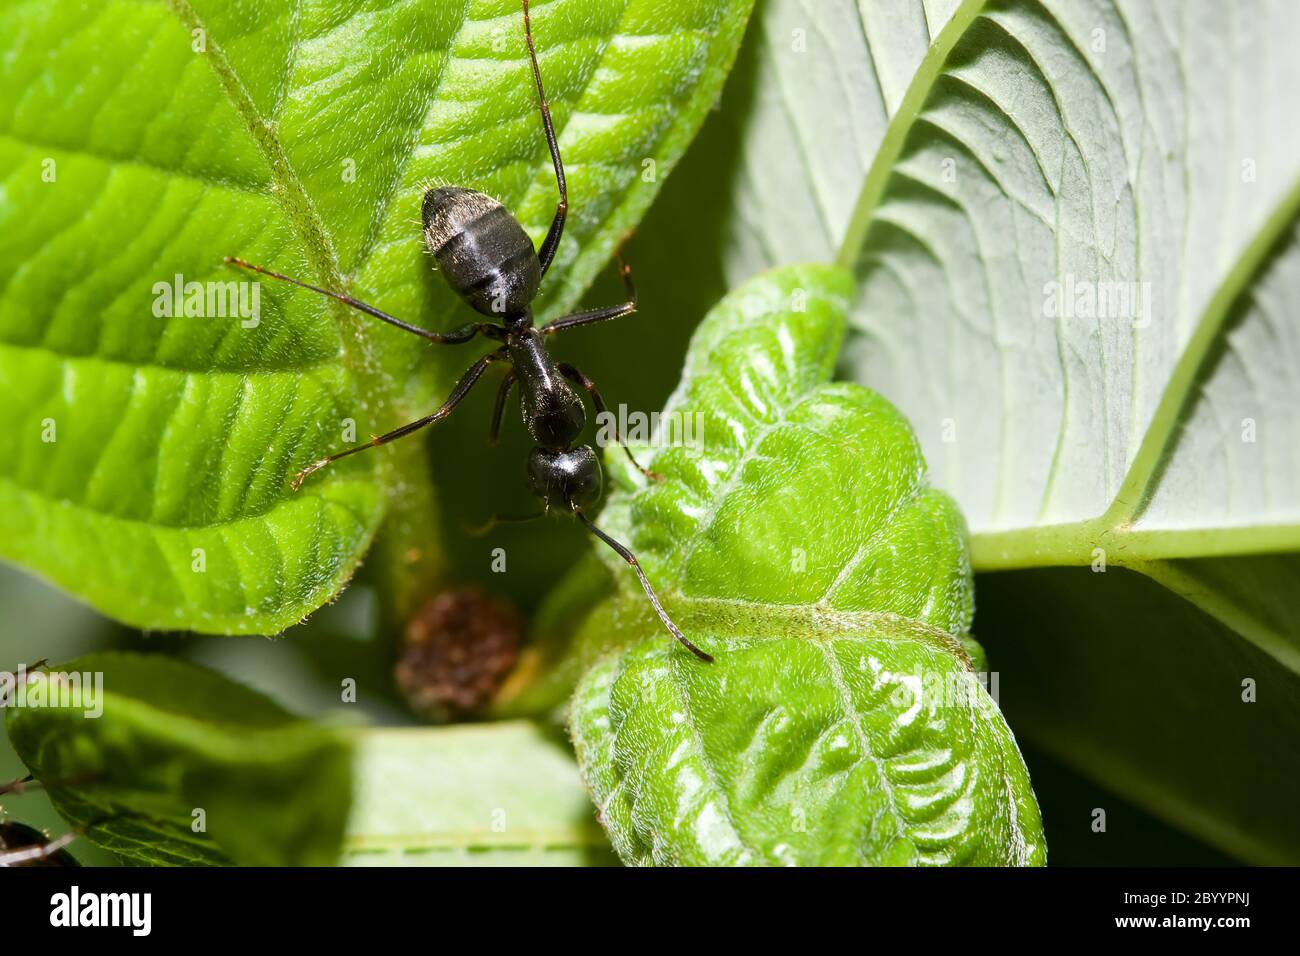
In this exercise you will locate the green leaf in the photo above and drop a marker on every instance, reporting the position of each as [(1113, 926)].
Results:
[(173, 739), (146, 141), (504, 794), (799, 543), (1076, 142), (1071, 184), (803, 115)]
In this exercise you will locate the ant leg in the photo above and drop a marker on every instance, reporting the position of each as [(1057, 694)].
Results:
[(454, 337), (630, 558), (573, 375), (458, 393), (502, 394), (21, 785), (599, 315), (480, 530), (552, 240)]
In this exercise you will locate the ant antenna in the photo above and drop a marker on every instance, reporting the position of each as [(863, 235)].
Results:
[(630, 558)]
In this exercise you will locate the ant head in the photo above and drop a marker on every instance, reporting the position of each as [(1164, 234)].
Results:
[(565, 479), (485, 255)]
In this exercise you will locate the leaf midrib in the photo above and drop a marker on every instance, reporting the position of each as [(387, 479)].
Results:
[(1074, 543), (292, 196), (760, 620), (1159, 441), (900, 124)]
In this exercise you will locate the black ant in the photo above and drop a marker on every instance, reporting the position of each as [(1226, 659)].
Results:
[(490, 262), (20, 845)]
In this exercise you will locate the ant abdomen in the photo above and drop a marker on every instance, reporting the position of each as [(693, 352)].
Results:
[(488, 259)]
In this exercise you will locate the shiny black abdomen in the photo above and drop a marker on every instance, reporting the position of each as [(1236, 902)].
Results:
[(488, 259), (552, 411), (17, 836)]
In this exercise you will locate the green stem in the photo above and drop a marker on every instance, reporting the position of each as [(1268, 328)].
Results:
[(1075, 544)]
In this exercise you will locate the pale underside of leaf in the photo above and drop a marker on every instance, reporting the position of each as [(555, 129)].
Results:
[(1074, 142), (812, 99)]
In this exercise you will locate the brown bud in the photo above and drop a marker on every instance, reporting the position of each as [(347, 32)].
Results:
[(456, 652)]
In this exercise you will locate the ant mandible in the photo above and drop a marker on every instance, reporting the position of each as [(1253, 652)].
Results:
[(490, 262)]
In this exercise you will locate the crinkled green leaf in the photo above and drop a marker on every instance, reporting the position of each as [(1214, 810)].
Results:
[(504, 794), (173, 739), (141, 141), (800, 544)]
